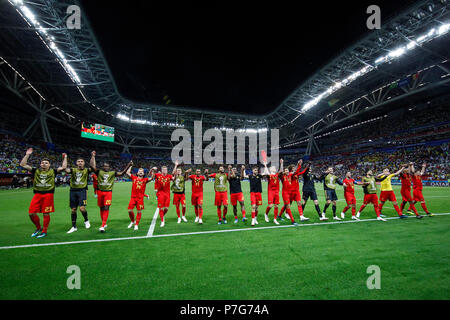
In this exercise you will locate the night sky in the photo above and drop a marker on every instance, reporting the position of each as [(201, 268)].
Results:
[(224, 55)]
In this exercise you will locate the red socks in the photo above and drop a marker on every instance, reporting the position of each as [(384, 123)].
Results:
[(414, 209), (200, 213), (178, 211), (353, 211), (275, 213), (288, 210), (219, 213), (138, 217), (424, 206), (183, 210), (196, 211), (243, 213), (131, 215), (225, 209), (364, 206), (345, 209), (35, 219), (104, 217), (161, 214), (268, 210), (253, 214), (377, 210), (46, 223), (398, 210), (282, 210), (300, 210)]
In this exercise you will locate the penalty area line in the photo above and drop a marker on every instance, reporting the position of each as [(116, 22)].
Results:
[(198, 233), (151, 229)]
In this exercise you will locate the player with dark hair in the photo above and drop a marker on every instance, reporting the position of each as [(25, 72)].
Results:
[(309, 190), (349, 195), (43, 189), (329, 186), (285, 178), (197, 193), (236, 194), (221, 189), (294, 174), (418, 187), (162, 184), (139, 183), (369, 184), (106, 178), (405, 191), (255, 192), (78, 192), (387, 193)]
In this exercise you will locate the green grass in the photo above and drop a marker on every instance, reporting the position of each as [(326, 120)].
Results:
[(316, 262)]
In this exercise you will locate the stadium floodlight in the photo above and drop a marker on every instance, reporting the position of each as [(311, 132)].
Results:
[(396, 53), (31, 18)]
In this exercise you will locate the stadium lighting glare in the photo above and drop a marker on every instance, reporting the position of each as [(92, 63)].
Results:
[(30, 17), (151, 123), (396, 53)]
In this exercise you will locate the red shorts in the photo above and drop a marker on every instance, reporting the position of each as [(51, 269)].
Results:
[(136, 202), (179, 198), (350, 198), (418, 196), (286, 197), (387, 195), (406, 195), (371, 198), (42, 203), (197, 199), (221, 198), (295, 196), (256, 198), (235, 197), (104, 198), (163, 199), (273, 197)]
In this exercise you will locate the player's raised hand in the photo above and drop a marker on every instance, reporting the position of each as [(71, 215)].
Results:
[(29, 151), (300, 162), (93, 153), (176, 162), (206, 170), (424, 165), (281, 160), (131, 163), (243, 167), (229, 167), (155, 169)]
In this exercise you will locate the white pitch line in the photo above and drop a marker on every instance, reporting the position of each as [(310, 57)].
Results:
[(196, 233), (151, 229)]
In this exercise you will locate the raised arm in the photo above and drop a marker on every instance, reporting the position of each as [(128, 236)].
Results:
[(24, 163), (230, 172), (422, 172), (281, 166), (129, 171), (186, 174), (399, 171), (243, 175), (64, 164), (266, 170), (206, 175), (175, 168), (92, 161), (121, 173)]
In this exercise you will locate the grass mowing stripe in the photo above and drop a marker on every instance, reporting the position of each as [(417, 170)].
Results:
[(194, 233)]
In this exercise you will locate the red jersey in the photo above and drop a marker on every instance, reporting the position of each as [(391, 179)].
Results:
[(406, 181), (163, 182), (138, 187), (417, 182), (350, 186), (286, 181), (294, 178), (197, 183), (274, 183)]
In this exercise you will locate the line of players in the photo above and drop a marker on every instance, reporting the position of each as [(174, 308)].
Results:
[(44, 186)]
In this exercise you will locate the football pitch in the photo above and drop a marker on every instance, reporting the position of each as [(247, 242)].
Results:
[(316, 260)]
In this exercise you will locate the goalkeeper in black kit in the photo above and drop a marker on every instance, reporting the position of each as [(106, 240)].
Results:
[(309, 190)]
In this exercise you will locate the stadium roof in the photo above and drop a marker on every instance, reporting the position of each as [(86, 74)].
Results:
[(70, 80)]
